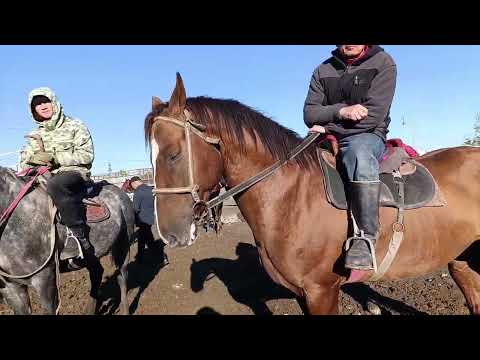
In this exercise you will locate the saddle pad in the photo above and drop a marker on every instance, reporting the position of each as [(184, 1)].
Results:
[(420, 187)]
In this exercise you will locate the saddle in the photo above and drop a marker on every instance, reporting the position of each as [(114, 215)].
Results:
[(97, 210), (419, 187), (405, 184)]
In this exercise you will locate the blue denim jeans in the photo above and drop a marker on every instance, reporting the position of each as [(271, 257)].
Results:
[(360, 155)]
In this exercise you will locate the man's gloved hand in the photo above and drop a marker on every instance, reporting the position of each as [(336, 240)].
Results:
[(41, 158)]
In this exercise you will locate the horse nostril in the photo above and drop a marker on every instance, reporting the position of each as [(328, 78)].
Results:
[(172, 239)]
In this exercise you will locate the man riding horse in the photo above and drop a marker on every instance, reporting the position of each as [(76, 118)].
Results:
[(65, 145), (350, 96)]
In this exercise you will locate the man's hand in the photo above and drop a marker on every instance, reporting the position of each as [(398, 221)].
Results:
[(354, 112), (41, 158), (317, 129)]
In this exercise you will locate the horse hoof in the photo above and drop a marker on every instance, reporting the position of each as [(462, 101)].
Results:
[(373, 308), (91, 308)]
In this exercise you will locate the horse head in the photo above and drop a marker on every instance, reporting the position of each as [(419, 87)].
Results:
[(187, 167)]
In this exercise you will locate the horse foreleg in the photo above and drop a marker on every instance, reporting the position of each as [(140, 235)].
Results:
[(322, 299), (16, 296), (46, 287), (468, 280)]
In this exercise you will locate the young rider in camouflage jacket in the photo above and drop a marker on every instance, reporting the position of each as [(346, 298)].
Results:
[(68, 150)]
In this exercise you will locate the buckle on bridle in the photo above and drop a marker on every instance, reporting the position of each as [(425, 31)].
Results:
[(200, 211)]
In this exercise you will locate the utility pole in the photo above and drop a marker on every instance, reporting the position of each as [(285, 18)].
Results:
[(408, 132), (404, 125)]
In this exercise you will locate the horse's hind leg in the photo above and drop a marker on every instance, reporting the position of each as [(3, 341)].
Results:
[(122, 283), (95, 271), (16, 296), (465, 270), (121, 256), (468, 280)]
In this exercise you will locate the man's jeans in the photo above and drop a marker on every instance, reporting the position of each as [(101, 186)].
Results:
[(360, 155)]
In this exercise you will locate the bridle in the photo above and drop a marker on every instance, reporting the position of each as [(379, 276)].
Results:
[(201, 208)]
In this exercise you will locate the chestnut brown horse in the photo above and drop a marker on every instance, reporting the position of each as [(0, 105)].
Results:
[(299, 235)]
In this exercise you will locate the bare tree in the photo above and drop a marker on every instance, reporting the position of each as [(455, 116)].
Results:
[(475, 139)]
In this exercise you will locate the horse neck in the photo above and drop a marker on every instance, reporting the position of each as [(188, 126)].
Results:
[(9, 187), (269, 193), (239, 166)]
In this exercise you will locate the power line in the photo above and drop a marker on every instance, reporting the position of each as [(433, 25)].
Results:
[(10, 153), (11, 128)]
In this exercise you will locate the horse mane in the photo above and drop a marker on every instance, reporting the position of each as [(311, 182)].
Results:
[(5, 171), (230, 119)]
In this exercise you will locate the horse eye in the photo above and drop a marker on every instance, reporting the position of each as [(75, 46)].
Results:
[(174, 157)]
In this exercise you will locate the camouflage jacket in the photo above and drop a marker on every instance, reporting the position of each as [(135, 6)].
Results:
[(66, 138)]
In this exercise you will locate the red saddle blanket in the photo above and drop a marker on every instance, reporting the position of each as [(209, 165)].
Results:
[(391, 144), (97, 211)]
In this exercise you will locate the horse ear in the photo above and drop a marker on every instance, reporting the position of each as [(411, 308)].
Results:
[(156, 103), (178, 101)]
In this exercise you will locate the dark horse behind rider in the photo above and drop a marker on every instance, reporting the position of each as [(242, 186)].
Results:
[(63, 145), (25, 245)]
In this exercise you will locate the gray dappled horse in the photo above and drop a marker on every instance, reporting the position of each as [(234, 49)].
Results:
[(25, 245)]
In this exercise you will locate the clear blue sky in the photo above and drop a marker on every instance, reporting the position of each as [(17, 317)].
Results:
[(110, 89)]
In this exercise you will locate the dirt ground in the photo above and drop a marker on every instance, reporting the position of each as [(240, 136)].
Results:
[(223, 276)]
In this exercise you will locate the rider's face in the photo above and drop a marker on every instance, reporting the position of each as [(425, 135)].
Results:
[(45, 111), (351, 50)]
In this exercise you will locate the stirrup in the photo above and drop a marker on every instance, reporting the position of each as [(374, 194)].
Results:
[(70, 235), (73, 266), (369, 243)]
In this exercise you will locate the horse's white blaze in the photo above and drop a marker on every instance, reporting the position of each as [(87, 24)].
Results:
[(193, 231), (193, 234), (155, 151)]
